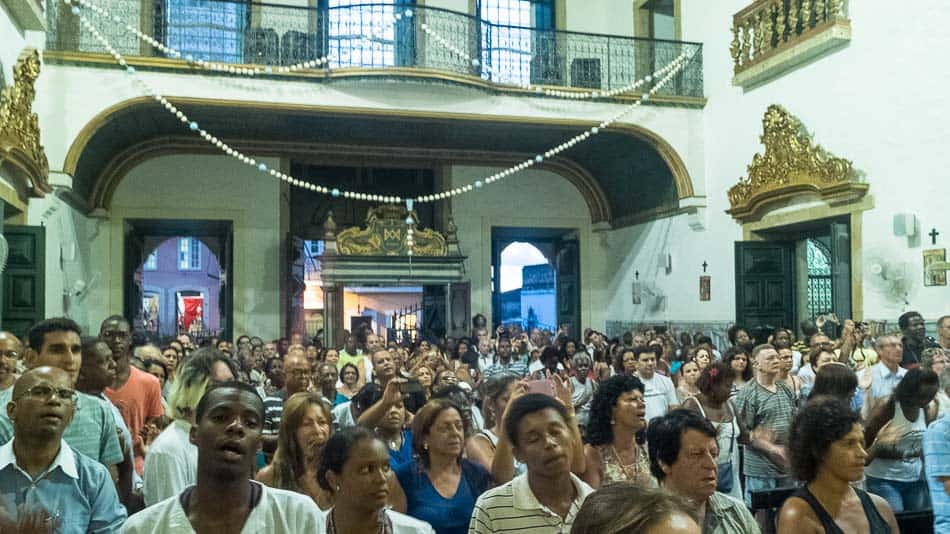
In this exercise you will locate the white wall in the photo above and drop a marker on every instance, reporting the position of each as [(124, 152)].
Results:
[(202, 187), (878, 102), (535, 198)]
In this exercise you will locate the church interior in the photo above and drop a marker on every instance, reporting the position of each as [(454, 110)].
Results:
[(723, 145), (306, 169)]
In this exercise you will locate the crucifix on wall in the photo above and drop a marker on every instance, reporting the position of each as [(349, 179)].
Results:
[(933, 236)]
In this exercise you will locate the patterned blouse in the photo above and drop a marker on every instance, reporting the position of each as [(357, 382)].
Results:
[(615, 471)]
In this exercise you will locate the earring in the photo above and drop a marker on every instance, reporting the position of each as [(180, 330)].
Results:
[(425, 446), (613, 422), (338, 488)]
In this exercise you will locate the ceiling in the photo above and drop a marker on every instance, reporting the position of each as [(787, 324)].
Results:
[(629, 175)]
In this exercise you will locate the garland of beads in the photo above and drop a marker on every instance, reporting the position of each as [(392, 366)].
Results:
[(663, 75)]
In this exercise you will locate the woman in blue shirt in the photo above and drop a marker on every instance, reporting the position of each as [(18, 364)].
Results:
[(398, 439), (440, 486)]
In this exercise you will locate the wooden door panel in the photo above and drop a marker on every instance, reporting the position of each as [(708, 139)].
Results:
[(24, 296), (765, 284)]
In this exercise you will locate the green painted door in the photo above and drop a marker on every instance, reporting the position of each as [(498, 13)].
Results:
[(568, 290), (765, 284), (24, 280)]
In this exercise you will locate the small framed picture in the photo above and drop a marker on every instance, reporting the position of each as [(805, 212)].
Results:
[(935, 277), (704, 288)]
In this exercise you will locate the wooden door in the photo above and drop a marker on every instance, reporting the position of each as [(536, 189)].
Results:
[(765, 284), (567, 285), (24, 278)]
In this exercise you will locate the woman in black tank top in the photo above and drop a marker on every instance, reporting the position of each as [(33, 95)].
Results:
[(827, 454)]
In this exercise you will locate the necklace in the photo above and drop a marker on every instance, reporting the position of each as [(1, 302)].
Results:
[(626, 468)]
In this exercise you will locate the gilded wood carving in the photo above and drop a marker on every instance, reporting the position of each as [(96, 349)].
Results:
[(791, 163), (385, 235), (19, 126)]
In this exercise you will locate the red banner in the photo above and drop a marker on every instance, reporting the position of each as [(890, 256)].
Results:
[(189, 309)]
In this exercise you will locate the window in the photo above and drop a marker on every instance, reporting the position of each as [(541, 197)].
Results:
[(312, 252), (661, 18), (206, 29), (359, 35), (189, 254), (151, 262), (508, 42), (819, 278)]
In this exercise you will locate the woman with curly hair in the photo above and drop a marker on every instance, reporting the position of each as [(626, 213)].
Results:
[(826, 443), (712, 402), (615, 434), (305, 427)]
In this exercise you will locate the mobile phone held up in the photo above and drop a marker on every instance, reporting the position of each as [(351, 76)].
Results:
[(410, 387), (542, 386)]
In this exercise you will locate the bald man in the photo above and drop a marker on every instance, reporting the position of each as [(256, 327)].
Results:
[(10, 351), (44, 481)]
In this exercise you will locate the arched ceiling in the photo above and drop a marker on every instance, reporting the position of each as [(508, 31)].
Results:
[(623, 173)]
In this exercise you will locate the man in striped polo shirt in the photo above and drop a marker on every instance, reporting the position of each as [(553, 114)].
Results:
[(548, 496)]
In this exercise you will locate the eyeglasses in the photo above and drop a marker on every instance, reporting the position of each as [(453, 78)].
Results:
[(43, 392)]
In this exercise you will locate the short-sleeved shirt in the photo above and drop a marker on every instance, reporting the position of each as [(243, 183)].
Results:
[(937, 465), (74, 489), (659, 394), (404, 454), (759, 407), (513, 507), (883, 381), (138, 400), (171, 464), (273, 410), (277, 512), (91, 432), (514, 367), (447, 516)]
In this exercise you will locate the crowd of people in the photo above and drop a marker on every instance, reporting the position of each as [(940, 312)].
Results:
[(506, 431)]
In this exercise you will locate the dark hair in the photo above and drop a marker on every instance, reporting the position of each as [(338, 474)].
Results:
[(815, 353), (201, 365), (703, 340), (664, 437), (336, 452), (230, 384), (526, 405), (599, 430), (38, 331), (269, 364), (907, 390), (351, 366), (549, 352), (904, 320), (835, 380), (733, 332), (625, 507), (731, 354), (422, 424), (708, 380), (821, 422), (150, 362), (367, 396)]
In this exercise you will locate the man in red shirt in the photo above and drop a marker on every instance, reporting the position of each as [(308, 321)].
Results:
[(137, 394)]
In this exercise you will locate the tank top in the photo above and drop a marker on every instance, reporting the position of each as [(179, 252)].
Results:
[(492, 439), (876, 523), (912, 435), (726, 439)]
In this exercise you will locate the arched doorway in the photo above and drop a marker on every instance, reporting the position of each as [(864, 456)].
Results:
[(527, 287), (176, 278)]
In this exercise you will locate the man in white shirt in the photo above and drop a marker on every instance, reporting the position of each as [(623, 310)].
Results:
[(879, 380), (548, 496), (659, 392), (227, 432), (171, 464)]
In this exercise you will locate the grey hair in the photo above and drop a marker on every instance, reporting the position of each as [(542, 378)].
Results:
[(879, 341), (945, 379), (579, 356)]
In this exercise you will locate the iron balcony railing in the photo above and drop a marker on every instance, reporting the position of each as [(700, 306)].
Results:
[(365, 35)]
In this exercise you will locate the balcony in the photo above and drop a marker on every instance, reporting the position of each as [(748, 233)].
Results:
[(771, 37), (375, 40)]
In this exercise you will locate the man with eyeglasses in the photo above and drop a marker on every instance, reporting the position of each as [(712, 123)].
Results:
[(816, 342), (297, 377), (56, 343), (137, 394), (46, 485)]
